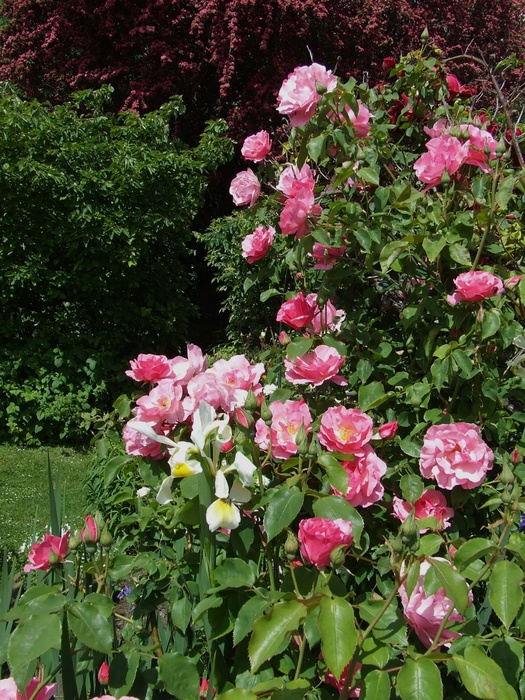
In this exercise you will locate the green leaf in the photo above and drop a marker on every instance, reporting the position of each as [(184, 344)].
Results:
[(338, 633), (505, 594), (368, 175), (90, 627), (234, 573), (390, 253), (371, 395), (237, 694), (121, 566), (122, 672), (373, 653), (337, 474), (41, 605), (433, 247), (482, 676), (298, 347), (376, 686), (338, 345), (419, 680), (32, 638), (411, 487), (268, 294), (429, 545), (504, 191), (179, 675), (283, 507), (460, 254), (181, 613), (251, 611), (113, 467), (316, 146), (271, 631), (490, 323), (333, 507), (453, 582), (470, 551)]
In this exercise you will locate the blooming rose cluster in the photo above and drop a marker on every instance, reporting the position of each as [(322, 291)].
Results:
[(455, 455), (474, 286), (180, 388)]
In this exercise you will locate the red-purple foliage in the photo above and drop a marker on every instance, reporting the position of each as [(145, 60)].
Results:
[(228, 57)]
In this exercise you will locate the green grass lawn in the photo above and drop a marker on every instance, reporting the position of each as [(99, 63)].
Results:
[(24, 507)]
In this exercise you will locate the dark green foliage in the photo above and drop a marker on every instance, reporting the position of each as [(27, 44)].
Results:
[(95, 252)]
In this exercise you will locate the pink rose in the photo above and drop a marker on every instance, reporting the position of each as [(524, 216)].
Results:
[(257, 146), (425, 613), (294, 216), (245, 188), (184, 368), (9, 690), (316, 367), (326, 256), (149, 368), (512, 282), (444, 154), (475, 285), (318, 537), (455, 455), (103, 673), (345, 430), (51, 550), (163, 403), (139, 445), (257, 244), (298, 96), (281, 436), (292, 180), (364, 478), (326, 318), (90, 533), (388, 430), (481, 146), (360, 121), (431, 504), (296, 312)]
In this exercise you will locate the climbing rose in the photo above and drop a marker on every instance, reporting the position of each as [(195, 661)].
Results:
[(296, 312), (360, 121), (293, 179), (318, 537), (364, 478), (298, 96), (245, 188), (475, 285), (257, 146), (455, 455), (316, 367), (51, 547), (430, 504), (257, 244), (345, 430), (294, 216), (444, 154), (326, 256)]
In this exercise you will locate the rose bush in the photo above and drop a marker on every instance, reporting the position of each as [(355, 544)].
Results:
[(290, 542)]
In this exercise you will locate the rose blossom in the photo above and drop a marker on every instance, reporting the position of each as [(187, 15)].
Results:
[(430, 504), (316, 367), (326, 256), (149, 368), (90, 533), (140, 445), (294, 216), (257, 244), (298, 96), (163, 403), (293, 179), (444, 154), (103, 673), (388, 430), (9, 690), (425, 613), (455, 455), (345, 430), (475, 285), (481, 146), (257, 146), (296, 312), (364, 478), (318, 537), (51, 546), (281, 436), (360, 120), (245, 188)]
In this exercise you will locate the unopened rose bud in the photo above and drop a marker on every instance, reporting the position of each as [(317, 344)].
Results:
[(338, 556), (320, 88), (424, 35), (506, 476), (251, 403), (500, 148), (291, 545), (302, 441), (106, 538), (515, 456), (103, 673), (243, 418), (74, 542), (445, 178), (90, 533), (266, 414), (284, 338), (388, 63), (409, 532)]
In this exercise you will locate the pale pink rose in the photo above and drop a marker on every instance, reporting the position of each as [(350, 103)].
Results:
[(163, 403), (9, 691), (207, 387), (90, 531), (475, 285), (149, 368), (425, 613), (388, 430), (257, 146), (431, 504), (296, 312), (103, 673), (455, 455), (257, 244), (345, 430), (444, 154), (298, 96), (325, 319), (481, 146), (297, 209), (287, 419), (245, 188), (318, 537), (364, 478), (292, 180), (316, 367), (184, 368), (440, 127), (237, 376), (50, 546), (326, 256), (139, 445), (360, 122)]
